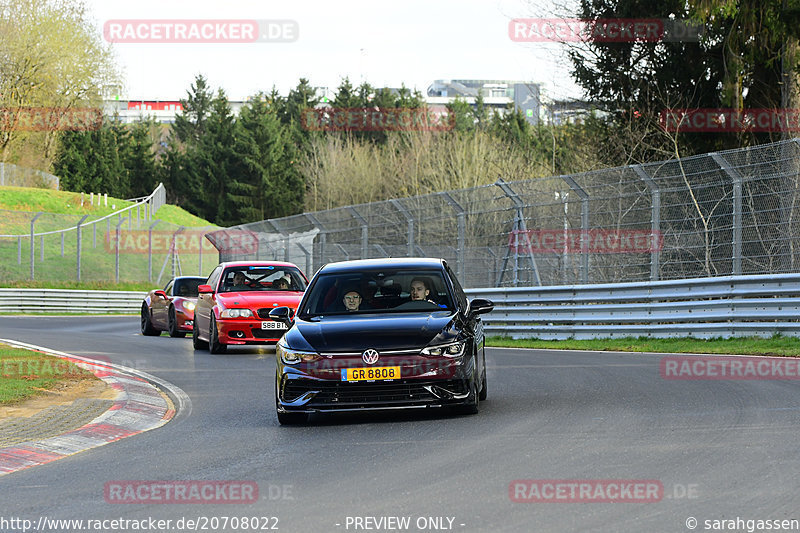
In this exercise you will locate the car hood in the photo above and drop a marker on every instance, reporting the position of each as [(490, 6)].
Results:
[(382, 332), (259, 299)]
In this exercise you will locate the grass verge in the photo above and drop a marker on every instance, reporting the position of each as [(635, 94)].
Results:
[(776, 345), (25, 374)]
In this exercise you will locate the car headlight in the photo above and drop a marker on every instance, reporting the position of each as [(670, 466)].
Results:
[(189, 306), (454, 349), (236, 313), (292, 357)]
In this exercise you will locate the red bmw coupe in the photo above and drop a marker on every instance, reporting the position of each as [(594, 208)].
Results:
[(172, 308), (234, 304)]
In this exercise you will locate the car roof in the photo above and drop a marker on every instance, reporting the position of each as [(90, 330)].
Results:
[(190, 277), (227, 264), (386, 262)]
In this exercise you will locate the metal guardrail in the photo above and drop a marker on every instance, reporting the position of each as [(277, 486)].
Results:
[(730, 306), (69, 301)]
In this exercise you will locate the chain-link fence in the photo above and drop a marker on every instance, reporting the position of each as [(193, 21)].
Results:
[(128, 245), (732, 212)]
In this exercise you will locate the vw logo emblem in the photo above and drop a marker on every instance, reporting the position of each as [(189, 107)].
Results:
[(370, 356)]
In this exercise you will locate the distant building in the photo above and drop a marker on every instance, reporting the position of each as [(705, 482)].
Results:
[(498, 95), (560, 112), (163, 111)]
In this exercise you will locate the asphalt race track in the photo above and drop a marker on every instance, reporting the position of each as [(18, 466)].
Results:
[(720, 449)]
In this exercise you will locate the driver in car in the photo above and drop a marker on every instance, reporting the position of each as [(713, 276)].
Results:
[(419, 290)]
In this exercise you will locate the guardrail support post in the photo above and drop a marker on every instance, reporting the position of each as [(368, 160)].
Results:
[(655, 221), (737, 210), (33, 255)]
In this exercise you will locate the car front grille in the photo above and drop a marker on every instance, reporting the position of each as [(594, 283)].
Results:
[(334, 394), (267, 333), (264, 312)]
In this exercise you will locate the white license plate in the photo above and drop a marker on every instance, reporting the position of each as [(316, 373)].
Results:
[(273, 325)]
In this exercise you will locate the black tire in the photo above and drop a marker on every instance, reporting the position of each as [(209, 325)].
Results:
[(147, 324), (473, 402), (214, 346), (196, 342), (484, 391), (291, 419), (173, 324)]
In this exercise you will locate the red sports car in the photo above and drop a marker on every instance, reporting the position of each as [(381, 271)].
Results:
[(234, 304), (171, 309)]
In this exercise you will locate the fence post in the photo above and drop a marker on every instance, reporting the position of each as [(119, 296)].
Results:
[(344, 252), (364, 231), (78, 245), (409, 221), (584, 226), (519, 226), (308, 258), (323, 236), (737, 210), (461, 217), (116, 255), (62, 243), (655, 220), (33, 255), (19, 250)]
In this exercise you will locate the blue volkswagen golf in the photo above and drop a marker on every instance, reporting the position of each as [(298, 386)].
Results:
[(381, 334)]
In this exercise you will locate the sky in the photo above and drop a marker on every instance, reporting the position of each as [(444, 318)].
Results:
[(384, 43)]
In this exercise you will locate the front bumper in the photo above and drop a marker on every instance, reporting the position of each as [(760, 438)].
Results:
[(424, 382), (184, 320), (247, 331)]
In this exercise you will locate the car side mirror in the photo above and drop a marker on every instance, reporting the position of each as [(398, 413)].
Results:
[(282, 314), (204, 289), (479, 306), (161, 293)]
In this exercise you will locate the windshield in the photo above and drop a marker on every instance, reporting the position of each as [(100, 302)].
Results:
[(187, 287), (262, 278), (378, 292)]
